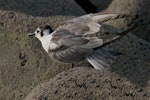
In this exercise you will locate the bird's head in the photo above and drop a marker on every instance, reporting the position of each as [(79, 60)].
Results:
[(41, 32)]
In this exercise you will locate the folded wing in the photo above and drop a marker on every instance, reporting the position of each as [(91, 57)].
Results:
[(63, 37), (90, 24)]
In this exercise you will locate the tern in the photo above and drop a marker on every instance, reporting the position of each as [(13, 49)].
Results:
[(72, 41)]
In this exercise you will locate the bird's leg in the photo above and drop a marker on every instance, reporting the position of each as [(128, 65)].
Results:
[(72, 65)]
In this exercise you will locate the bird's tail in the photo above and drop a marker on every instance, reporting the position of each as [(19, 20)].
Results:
[(102, 58)]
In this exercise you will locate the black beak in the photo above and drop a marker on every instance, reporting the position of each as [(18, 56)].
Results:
[(31, 34)]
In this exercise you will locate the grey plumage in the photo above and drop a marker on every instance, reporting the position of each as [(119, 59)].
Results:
[(71, 42), (102, 58)]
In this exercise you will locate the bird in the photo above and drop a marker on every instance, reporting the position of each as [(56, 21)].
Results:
[(73, 42)]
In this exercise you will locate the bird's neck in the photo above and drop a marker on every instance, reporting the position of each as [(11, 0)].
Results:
[(48, 44), (45, 42)]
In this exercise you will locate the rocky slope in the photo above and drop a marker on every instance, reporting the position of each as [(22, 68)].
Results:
[(24, 64), (42, 8), (87, 84), (140, 7)]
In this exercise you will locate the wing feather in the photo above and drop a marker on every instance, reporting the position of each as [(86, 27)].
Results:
[(90, 23), (66, 38)]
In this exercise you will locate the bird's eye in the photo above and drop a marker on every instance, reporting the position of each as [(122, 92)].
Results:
[(37, 31)]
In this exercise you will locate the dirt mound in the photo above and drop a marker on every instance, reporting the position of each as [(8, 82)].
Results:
[(23, 62), (86, 83)]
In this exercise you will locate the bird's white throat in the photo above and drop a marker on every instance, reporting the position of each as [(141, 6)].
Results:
[(47, 43)]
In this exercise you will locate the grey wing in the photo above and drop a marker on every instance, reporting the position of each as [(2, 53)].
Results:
[(63, 37), (72, 54), (90, 24), (82, 25), (77, 47)]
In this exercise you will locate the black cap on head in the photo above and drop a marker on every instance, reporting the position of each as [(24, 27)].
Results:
[(47, 27)]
